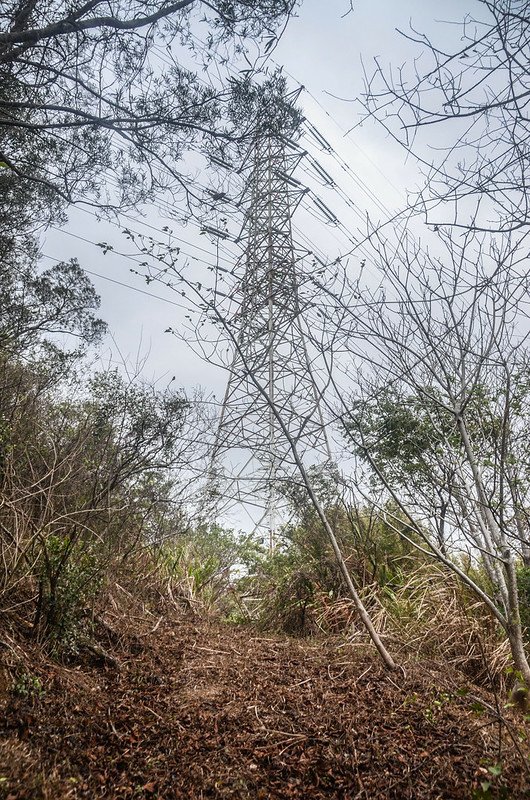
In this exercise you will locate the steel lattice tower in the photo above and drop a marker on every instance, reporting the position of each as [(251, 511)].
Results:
[(271, 345)]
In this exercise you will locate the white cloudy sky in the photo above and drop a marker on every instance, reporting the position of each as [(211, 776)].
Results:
[(322, 49)]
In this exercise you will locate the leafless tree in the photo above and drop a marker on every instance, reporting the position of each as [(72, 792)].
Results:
[(439, 415), (461, 108)]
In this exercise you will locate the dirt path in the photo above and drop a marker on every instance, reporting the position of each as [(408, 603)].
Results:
[(204, 710)]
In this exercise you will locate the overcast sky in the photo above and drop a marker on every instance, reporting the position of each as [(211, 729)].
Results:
[(322, 49)]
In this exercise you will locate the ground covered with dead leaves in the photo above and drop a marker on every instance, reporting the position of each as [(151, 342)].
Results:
[(199, 709)]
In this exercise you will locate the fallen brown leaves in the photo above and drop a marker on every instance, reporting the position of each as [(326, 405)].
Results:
[(204, 710)]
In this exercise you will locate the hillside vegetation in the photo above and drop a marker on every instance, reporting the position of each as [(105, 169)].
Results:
[(379, 646)]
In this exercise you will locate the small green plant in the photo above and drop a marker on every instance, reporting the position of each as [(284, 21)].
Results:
[(441, 699), (202, 562), (28, 686), (488, 789)]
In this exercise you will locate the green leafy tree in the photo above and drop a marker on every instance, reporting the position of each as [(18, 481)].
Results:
[(116, 86), (52, 310)]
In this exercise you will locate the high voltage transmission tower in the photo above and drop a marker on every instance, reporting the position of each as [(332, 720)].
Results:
[(272, 367)]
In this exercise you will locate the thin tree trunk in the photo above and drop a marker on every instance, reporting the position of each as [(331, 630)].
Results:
[(363, 613), (514, 627)]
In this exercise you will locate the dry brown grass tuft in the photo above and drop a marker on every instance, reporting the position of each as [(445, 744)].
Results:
[(429, 616)]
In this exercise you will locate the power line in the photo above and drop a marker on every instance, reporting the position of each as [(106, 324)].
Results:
[(344, 132), (311, 247), (120, 283)]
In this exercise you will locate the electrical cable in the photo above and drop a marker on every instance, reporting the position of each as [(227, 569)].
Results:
[(120, 283)]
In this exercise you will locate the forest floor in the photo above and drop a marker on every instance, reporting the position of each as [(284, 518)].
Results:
[(201, 709)]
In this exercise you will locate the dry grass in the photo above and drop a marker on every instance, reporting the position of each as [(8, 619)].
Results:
[(430, 616)]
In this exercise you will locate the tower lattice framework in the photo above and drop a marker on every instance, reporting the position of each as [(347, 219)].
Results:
[(272, 362)]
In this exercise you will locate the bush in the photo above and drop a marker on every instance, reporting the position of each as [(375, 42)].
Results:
[(70, 576), (85, 482)]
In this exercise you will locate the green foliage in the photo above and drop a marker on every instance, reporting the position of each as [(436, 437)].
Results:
[(413, 436), (28, 686), (84, 482), (489, 788), (266, 105), (70, 575), (283, 587), (70, 134), (142, 426), (371, 545), (398, 431), (370, 539), (40, 309), (301, 579), (201, 562), (435, 708), (46, 311)]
